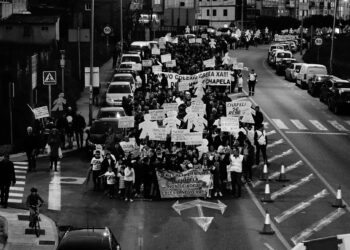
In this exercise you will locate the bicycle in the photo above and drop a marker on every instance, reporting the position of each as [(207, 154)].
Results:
[(34, 220)]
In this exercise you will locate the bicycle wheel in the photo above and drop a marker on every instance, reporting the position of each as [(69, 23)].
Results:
[(37, 226)]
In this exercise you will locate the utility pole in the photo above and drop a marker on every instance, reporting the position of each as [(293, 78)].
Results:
[(79, 59), (121, 26), (62, 64), (332, 41), (242, 14), (11, 97), (91, 59), (301, 35)]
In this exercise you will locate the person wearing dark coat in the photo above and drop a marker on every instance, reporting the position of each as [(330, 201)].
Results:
[(79, 125), (31, 147), (258, 117), (7, 177)]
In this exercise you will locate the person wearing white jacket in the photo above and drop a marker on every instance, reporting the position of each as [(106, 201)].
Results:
[(129, 180), (235, 171)]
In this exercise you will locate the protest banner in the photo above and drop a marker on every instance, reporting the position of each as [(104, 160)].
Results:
[(183, 86), (229, 124), (237, 108), (191, 183), (248, 117), (157, 114), (192, 40), (171, 113), (199, 40), (170, 107), (198, 107), (214, 77), (172, 78), (240, 66), (170, 64), (210, 63), (136, 67), (178, 135), (147, 63), (155, 51), (165, 58), (204, 36), (126, 122), (156, 69), (190, 79), (194, 138), (127, 146), (41, 112), (159, 134)]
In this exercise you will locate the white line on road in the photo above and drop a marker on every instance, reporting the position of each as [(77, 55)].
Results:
[(317, 226), (275, 143), (291, 187), (15, 194), (298, 124), (20, 167), (16, 188), (21, 176), (20, 171), (20, 182), (315, 133), (22, 163), (275, 157), (280, 124), (14, 200), (271, 132), (140, 242), (300, 206), (338, 126), (318, 125), (55, 191), (268, 246)]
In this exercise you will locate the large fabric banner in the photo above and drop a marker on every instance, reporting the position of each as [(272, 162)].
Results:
[(191, 183), (214, 78)]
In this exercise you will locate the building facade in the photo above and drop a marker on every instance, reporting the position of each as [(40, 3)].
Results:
[(9, 7), (218, 13)]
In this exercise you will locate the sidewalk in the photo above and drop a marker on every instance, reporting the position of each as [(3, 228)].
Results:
[(19, 235)]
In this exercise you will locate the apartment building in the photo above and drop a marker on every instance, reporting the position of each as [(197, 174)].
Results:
[(9, 7), (217, 12)]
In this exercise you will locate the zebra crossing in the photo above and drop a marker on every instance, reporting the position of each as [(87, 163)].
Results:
[(312, 125), (17, 192)]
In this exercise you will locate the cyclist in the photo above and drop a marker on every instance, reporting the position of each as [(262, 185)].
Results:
[(34, 201)]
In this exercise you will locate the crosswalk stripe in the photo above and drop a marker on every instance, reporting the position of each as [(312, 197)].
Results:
[(337, 125), (291, 187), (280, 124), (300, 206), (20, 171), (298, 124), (318, 125), (21, 177), (275, 157), (21, 167), (271, 132), (21, 163), (14, 200), (275, 143), (16, 188), (317, 226), (15, 194), (20, 182)]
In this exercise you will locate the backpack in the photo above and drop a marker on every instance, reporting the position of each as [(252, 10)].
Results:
[(262, 138)]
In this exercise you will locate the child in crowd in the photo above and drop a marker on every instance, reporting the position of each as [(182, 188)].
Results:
[(121, 191), (110, 178)]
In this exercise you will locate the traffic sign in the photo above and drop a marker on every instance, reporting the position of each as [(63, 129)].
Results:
[(49, 78), (318, 41), (107, 30)]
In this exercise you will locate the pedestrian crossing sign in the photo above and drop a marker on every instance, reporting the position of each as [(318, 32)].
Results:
[(49, 78)]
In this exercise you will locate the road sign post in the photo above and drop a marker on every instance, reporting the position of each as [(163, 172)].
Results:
[(49, 78), (107, 30), (318, 43)]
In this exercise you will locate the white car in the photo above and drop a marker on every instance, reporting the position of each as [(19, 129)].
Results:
[(110, 113), (126, 66), (124, 77), (307, 71), (280, 55), (131, 58), (116, 91), (292, 71)]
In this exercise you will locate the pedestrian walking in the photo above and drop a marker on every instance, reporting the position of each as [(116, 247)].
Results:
[(251, 82), (55, 151), (7, 177), (260, 139), (248, 161), (235, 170), (110, 179), (96, 163), (79, 125), (31, 147), (129, 180), (258, 117), (240, 81)]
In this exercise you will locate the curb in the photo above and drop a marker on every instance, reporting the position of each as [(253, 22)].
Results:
[(4, 235)]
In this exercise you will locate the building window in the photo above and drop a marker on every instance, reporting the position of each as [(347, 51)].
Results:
[(156, 1), (208, 12), (182, 4), (44, 28), (88, 6), (26, 31), (214, 12), (8, 27), (225, 12)]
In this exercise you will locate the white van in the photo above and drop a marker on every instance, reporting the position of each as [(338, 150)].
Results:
[(307, 71), (280, 55), (272, 47)]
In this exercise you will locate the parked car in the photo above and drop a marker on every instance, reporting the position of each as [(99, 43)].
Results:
[(110, 112), (116, 91), (126, 66), (307, 71), (315, 83), (336, 93), (124, 77), (272, 47), (89, 239), (292, 70), (282, 65), (280, 55), (131, 58), (139, 46)]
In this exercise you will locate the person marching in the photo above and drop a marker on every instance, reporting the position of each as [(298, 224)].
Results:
[(7, 176), (251, 82), (31, 146), (261, 144)]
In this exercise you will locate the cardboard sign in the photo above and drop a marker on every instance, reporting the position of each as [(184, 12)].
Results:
[(170, 64), (183, 86), (229, 124), (126, 122), (170, 107), (210, 63), (156, 69), (198, 107), (192, 40), (147, 63), (127, 146), (238, 65), (199, 40), (147, 126), (136, 67), (178, 135), (157, 114), (159, 134), (41, 112), (194, 138), (162, 44), (155, 51), (237, 108), (165, 58), (171, 123), (214, 78), (171, 113), (248, 118), (204, 36)]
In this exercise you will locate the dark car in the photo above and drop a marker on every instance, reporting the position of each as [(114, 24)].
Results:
[(282, 65), (315, 83), (89, 239), (337, 93)]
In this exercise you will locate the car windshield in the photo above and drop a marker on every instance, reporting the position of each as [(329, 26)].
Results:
[(110, 114), (135, 47), (342, 84), (122, 78), (125, 66), (103, 127), (135, 59), (317, 70), (284, 55), (120, 88)]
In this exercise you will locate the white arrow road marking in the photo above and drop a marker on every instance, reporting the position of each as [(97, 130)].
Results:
[(275, 157), (276, 174), (219, 206), (275, 143), (338, 126), (271, 132), (54, 199), (317, 226), (301, 206), (183, 206), (298, 124), (318, 125), (291, 187), (280, 124)]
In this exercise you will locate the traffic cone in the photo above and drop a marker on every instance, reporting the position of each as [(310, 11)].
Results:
[(338, 200), (267, 225), (267, 194), (265, 174), (283, 177)]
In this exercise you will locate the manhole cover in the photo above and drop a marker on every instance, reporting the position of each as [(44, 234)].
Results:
[(68, 179)]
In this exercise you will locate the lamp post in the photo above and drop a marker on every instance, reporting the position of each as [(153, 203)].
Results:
[(91, 59), (121, 26), (332, 39), (62, 64)]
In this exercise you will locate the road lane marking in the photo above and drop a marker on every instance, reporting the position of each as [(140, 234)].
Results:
[(301, 206), (275, 157), (21, 177), (14, 200), (318, 125), (298, 124), (20, 182), (140, 242), (291, 187), (268, 246), (16, 188), (20, 167), (315, 133), (280, 124), (338, 126), (275, 143), (54, 199), (276, 174), (22, 163), (15, 195), (317, 226), (20, 171), (271, 132)]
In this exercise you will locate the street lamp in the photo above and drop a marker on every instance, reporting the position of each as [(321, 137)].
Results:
[(91, 60), (62, 64)]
